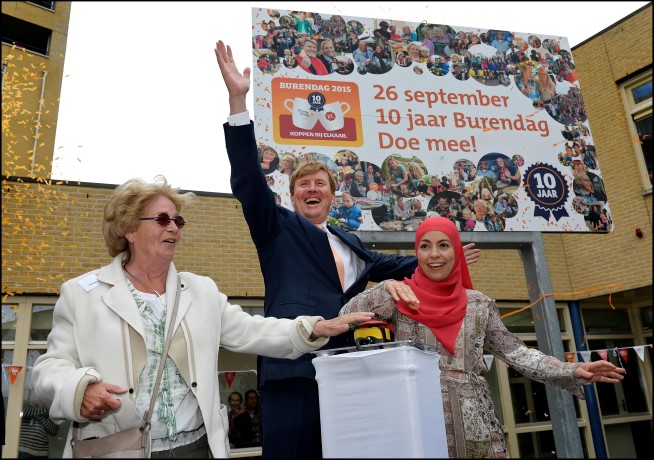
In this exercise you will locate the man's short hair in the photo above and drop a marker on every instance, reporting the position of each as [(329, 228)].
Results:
[(309, 168)]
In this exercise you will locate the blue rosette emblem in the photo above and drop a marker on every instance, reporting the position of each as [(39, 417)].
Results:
[(316, 101), (548, 189)]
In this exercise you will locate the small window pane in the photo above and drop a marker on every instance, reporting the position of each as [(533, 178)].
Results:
[(238, 392), (47, 5), (646, 318), (603, 321), (36, 428), (644, 129), (9, 322), (628, 397), (41, 322), (32, 356), (26, 35), (7, 359), (642, 92), (629, 440), (523, 322), (541, 444)]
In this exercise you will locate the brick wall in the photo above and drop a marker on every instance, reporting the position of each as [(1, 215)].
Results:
[(52, 233), (619, 257), (22, 91)]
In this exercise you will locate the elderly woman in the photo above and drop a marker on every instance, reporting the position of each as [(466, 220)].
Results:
[(109, 326), (439, 307)]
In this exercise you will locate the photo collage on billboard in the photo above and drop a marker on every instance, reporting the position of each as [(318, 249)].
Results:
[(485, 127)]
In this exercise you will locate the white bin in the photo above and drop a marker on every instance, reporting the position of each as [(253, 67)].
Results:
[(381, 403)]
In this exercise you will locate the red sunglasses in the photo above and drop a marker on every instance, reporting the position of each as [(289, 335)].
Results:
[(164, 219)]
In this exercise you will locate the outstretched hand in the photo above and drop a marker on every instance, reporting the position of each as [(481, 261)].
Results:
[(340, 324), (237, 84), (599, 371)]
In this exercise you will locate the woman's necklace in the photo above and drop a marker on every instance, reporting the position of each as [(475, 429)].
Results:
[(161, 297)]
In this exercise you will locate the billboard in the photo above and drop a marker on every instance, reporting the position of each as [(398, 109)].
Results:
[(485, 127)]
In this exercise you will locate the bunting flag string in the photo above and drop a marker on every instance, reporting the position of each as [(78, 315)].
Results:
[(619, 352), (622, 353)]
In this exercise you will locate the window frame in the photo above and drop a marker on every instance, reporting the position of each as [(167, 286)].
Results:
[(43, 5), (28, 32), (635, 112)]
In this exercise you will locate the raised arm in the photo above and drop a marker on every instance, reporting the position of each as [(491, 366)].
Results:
[(237, 83), (247, 178)]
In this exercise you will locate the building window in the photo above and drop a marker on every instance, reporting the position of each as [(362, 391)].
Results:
[(41, 323), (9, 323), (46, 5), (628, 397), (637, 97), (605, 321), (522, 322), (25, 35), (540, 444)]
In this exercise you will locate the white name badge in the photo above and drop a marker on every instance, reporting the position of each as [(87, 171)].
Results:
[(90, 282)]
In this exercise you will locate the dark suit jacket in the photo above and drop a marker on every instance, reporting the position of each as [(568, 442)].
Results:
[(296, 260)]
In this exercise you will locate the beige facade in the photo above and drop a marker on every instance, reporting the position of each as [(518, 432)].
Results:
[(31, 88), (51, 232)]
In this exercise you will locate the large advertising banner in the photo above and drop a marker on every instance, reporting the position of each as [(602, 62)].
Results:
[(485, 127)]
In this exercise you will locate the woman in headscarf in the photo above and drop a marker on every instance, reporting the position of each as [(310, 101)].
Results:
[(439, 307)]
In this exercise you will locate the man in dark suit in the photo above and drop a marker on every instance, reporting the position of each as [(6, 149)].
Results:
[(309, 268)]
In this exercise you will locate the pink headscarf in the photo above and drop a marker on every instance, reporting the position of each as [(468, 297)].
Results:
[(442, 303)]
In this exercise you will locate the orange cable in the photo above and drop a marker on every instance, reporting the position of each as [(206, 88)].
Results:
[(583, 291)]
